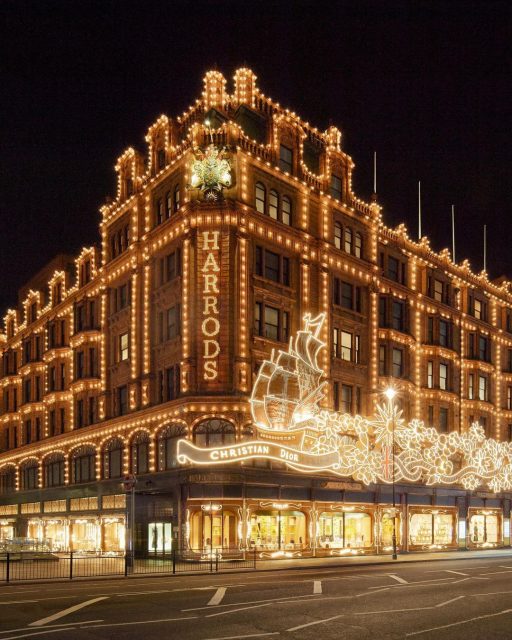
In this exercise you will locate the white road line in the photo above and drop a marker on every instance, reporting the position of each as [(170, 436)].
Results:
[(18, 601), (443, 604), (458, 573), (397, 578), (317, 586), (493, 573), (140, 593), (492, 593), (371, 593), (125, 624), (217, 597), (456, 624), (50, 626), (251, 635), (438, 581), (310, 624), (38, 633), (65, 612)]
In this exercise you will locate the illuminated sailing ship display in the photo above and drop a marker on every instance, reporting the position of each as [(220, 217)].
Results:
[(293, 427)]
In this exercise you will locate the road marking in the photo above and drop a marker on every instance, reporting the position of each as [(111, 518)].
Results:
[(217, 597), (443, 604), (420, 582), (39, 633), (140, 593), (371, 593), (310, 624), (251, 635), (18, 601), (492, 593), (456, 624), (317, 586), (124, 624), (458, 573), (493, 573), (50, 626), (65, 612), (397, 578)]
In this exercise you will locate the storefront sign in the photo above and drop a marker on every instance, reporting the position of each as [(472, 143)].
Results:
[(293, 428), (210, 323)]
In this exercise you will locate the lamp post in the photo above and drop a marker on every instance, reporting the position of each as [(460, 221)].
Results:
[(390, 394)]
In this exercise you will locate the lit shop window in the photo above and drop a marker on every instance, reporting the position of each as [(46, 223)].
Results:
[(278, 530), (431, 528), (342, 530), (484, 528)]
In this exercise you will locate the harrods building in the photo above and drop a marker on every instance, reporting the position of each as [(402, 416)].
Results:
[(157, 333)]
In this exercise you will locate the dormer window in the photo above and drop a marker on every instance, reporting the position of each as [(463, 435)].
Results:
[(33, 312), (285, 159), (85, 272), (160, 159), (336, 187), (57, 293), (129, 187), (10, 328)]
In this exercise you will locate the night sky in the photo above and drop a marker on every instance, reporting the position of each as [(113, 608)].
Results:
[(425, 84)]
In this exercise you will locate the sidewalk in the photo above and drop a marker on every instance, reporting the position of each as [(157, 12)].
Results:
[(358, 561)]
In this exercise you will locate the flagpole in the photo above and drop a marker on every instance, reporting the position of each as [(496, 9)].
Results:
[(419, 210), (375, 173), (453, 232), (485, 247)]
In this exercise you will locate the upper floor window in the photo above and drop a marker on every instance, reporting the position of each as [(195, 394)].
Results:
[(139, 453), (478, 308), (273, 204), (443, 376), (129, 187), (119, 241), (214, 433), (83, 465), (53, 470), (438, 289), (483, 388), (29, 475), (346, 295), (169, 383), (170, 266), (121, 297), (113, 459), (124, 347), (85, 272), (336, 187), (393, 268), (176, 198), (122, 400), (167, 446), (159, 211), (346, 345), (271, 322), (260, 198), (286, 210), (272, 266), (338, 235), (443, 419), (397, 370), (160, 158), (285, 158)]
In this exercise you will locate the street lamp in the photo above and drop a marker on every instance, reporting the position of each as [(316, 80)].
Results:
[(390, 394)]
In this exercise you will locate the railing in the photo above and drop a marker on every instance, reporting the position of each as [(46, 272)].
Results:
[(38, 566)]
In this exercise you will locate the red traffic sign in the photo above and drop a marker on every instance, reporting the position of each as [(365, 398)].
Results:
[(129, 482)]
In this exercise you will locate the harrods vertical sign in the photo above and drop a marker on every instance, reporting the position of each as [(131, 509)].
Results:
[(212, 304)]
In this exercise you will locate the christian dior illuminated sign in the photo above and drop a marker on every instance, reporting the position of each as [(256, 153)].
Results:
[(210, 324), (292, 427)]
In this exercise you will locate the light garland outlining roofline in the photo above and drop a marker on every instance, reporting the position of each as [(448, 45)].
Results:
[(293, 428)]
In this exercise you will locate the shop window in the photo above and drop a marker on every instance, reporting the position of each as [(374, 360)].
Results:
[(427, 529), (278, 530), (159, 537), (214, 433), (113, 458), (53, 470), (139, 453), (167, 446), (83, 465), (344, 530), (484, 528), (29, 475), (214, 527)]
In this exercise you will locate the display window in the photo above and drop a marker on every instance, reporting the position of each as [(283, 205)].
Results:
[(214, 527), (6, 530), (159, 537), (113, 535), (344, 530), (84, 535), (386, 530), (485, 528), (278, 530), (35, 530), (432, 529), (56, 534)]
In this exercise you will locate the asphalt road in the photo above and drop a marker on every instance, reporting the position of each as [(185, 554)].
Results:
[(446, 600)]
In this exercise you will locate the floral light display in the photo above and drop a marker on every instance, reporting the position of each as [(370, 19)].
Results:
[(293, 427)]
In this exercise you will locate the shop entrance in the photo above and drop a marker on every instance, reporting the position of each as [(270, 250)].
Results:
[(160, 537), (278, 530)]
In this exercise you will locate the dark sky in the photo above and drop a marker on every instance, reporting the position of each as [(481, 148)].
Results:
[(426, 84)]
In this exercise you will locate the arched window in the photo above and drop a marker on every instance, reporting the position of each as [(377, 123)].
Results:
[(176, 198), (168, 204), (260, 198), (7, 479), (160, 158), (358, 245), (286, 210), (348, 240), (29, 475), (247, 432), (83, 464), (112, 459), (214, 433), (167, 446), (273, 204), (337, 235), (139, 453), (53, 470)]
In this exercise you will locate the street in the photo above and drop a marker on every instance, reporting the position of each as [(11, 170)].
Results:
[(448, 599)]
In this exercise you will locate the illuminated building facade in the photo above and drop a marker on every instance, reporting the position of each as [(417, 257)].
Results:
[(238, 221)]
